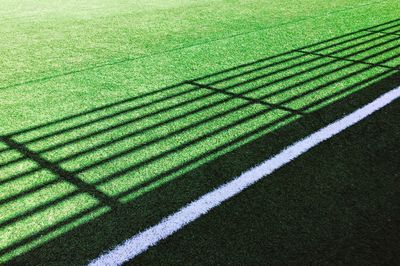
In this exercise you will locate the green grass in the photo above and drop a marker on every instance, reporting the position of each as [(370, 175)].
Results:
[(115, 114), (336, 213)]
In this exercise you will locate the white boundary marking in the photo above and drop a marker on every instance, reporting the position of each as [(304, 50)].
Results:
[(171, 224)]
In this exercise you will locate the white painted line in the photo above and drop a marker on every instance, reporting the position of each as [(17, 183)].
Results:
[(169, 225)]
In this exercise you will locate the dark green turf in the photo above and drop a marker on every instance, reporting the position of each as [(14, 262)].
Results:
[(337, 204), (95, 150)]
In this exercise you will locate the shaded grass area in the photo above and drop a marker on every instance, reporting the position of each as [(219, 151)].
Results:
[(60, 175), (337, 204)]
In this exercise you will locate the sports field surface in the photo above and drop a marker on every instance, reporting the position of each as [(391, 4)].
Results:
[(199, 132)]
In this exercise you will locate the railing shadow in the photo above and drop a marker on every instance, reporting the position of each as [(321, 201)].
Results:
[(60, 175)]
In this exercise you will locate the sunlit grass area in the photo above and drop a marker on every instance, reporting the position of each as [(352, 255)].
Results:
[(80, 144)]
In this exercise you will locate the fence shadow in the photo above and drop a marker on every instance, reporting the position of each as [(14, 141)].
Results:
[(80, 184)]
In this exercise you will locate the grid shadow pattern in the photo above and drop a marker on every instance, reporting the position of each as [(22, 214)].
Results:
[(76, 168)]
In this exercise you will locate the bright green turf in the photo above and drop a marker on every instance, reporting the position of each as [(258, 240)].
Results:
[(52, 37), (60, 59)]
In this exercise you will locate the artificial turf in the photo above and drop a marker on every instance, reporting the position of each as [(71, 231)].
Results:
[(345, 211), (107, 104)]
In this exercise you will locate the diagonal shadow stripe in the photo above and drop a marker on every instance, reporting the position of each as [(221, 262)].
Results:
[(259, 77), (347, 59), (293, 58), (63, 174), (396, 33), (308, 80), (249, 99)]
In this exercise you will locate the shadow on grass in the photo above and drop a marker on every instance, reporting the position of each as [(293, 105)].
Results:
[(127, 164), (337, 204)]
